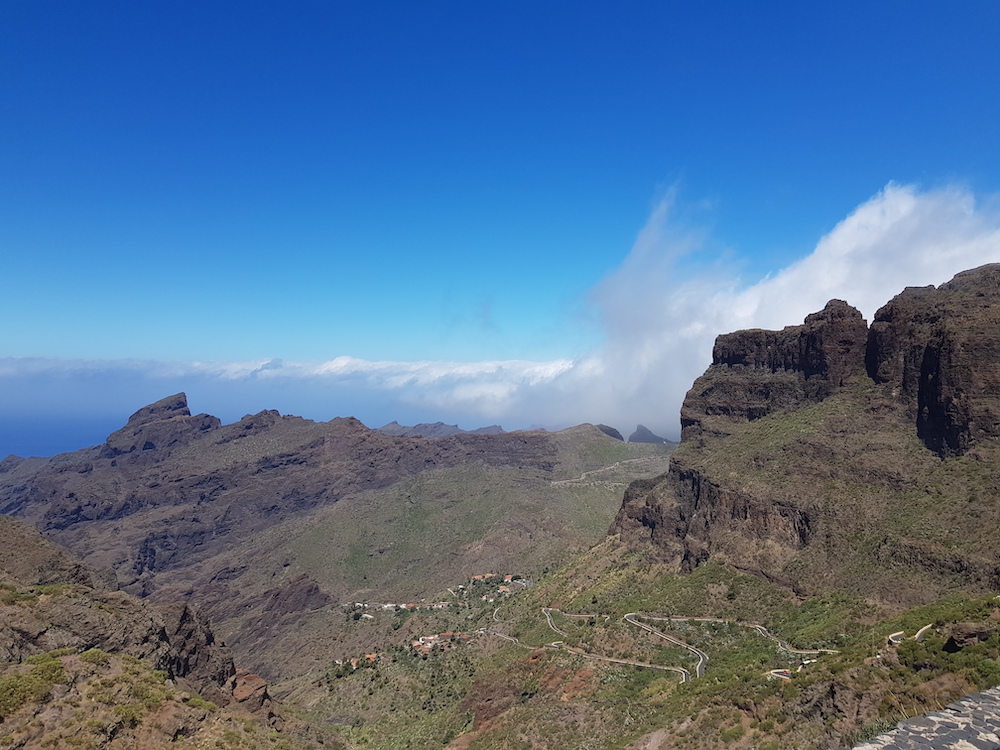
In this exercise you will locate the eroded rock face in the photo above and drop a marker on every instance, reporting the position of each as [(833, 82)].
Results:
[(929, 364), (27, 558), (968, 634), (152, 431), (757, 372), (195, 653), (936, 350), (939, 352), (70, 612), (643, 434)]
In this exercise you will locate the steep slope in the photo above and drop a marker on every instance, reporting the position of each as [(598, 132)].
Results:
[(83, 665), (827, 455), (271, 522)]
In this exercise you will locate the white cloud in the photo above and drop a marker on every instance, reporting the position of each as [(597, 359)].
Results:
[(660, 322)]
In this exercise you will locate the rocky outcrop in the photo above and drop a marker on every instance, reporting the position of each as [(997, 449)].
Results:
[(50, 610), (689, 518), (964, 634), (939, 352), (57, 609), (643, 434), (610, 432), (793, 503), (67, 611), (249, 691), (27, 558), (194, 651), (757, 372), (154, 430)]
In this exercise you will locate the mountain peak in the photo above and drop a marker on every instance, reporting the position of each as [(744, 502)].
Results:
[(165, 408), (643, 434), (157, 427)]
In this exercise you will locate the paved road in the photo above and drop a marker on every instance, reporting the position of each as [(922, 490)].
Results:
[(783, 645), (685, 675), (699, 669), (586, 474), (632, 619), (547, 611)]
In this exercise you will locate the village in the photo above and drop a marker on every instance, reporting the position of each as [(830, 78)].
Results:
[(479, 588)]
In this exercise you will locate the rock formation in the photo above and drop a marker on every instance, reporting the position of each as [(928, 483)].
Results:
[(799, 457), (757, 372), (68, 611), (643, 434), (610, 432), (938, 350)]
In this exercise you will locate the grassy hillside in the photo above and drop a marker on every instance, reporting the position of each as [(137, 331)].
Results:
[(878, 512), (491, 693), (406, 543)]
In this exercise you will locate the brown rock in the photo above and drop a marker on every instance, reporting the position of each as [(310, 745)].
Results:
[(782, 509), (250, 692), (938, 350), (757, 372), (195, 654), (968, 634), (152, 431)]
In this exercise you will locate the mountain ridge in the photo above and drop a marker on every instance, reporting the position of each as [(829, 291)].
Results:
[(273, 520), (804, 451)]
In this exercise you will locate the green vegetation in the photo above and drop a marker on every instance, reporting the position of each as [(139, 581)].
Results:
[(196, 701), (21, 687), (552, 698), (95, 656)]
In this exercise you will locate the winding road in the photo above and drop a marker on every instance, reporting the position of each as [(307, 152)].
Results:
[(699, 669), (633, 619), (616, 464), (896, 638)]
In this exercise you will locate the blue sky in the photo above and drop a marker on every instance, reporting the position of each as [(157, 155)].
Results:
[(524, 213)]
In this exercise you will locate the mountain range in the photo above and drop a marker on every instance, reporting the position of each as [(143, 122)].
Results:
[(817, 559)]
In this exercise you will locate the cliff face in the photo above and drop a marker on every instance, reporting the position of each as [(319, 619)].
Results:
[(76, 611), (938, 350), (757, 372), (824, 453)]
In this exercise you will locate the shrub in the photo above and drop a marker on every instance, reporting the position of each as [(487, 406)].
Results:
[(196, 701), (95, 656), (23, 687), (130, 713)]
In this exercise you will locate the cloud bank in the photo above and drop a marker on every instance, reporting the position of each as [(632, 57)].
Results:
[(660, 320)]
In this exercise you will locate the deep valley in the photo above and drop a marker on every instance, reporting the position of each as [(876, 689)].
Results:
[(818, 559)]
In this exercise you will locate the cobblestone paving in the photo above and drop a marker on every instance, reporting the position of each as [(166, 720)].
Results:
[(972, 723)]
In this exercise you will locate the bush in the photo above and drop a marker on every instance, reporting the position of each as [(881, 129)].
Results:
[(95, 656), (23, 687), (196, 701)]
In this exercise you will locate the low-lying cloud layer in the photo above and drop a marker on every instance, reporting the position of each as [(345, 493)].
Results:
[(660, 321)]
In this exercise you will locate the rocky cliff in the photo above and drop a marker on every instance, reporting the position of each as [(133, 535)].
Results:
[(938, 351), (757, 372), (71, 647), (834, 454)]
